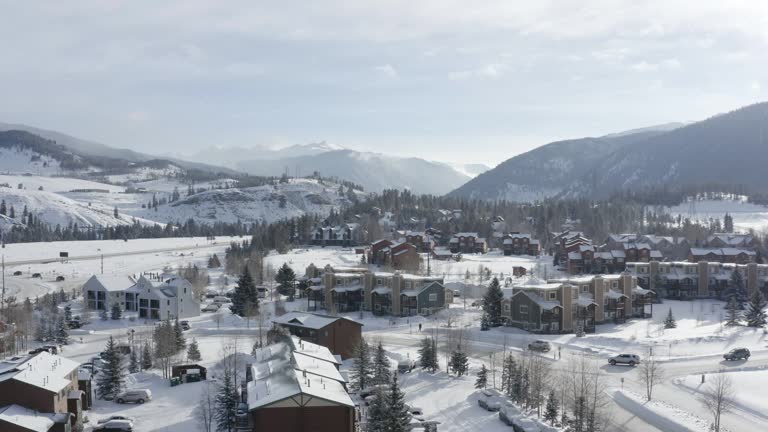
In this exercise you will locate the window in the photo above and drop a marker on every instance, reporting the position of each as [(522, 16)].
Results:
[(585, 288), (378, 282), (552, 295), (506, 307), (433, 297), (523, 308)]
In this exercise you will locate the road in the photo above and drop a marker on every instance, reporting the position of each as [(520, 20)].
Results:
[(112, 255), (620, 419)]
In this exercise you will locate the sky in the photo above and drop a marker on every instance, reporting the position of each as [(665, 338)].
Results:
[(460, 81)]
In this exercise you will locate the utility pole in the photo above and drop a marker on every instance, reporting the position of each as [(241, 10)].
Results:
[(2, 299)]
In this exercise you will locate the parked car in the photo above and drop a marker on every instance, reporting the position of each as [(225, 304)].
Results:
[(185, 325), (59, 278), (405, 366), (628, 359), (37, 276), (372, 390), (737, 354), (115, 426), (477, 303), (261, 292), (456, 293), (135, 396), (211, 307), (540, 346), (222, 299), (74, 324), (115, 417), (17, 273)]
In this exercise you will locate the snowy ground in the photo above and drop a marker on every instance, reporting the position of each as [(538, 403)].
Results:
[(694, 347), (746, 216)]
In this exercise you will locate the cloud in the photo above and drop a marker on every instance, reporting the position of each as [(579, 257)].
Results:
[(386, 70), (493, 70), (644, 66)]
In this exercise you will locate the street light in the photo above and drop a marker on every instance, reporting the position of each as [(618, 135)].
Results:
[(102, 260)]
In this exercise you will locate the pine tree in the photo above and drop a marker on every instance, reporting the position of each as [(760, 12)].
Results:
[(103, 314), (398, 418), (485, 322), (362, 370), (492, 303), (508, 375), (226, 403), (377, 412), (146, 357), (116, 213), (737, 284), (181, 342), (246, 297), (669, 321), (427, 356), (62, 331), (2, 208), (117, 311), (193, 352), (285, 278), (41, 328), (732, 310), (482, 378), (459, 363), (550, 412), (755, 315), (111, 379), (133, 365), (381, 366), (68, 313)]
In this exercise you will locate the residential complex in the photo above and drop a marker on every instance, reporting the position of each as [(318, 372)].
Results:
[(383, 293), (467, 243), (703, 279), (575, 304), (519, 244), (152, 297)]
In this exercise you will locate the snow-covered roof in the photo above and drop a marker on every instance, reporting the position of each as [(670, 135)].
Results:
[(543, 304), (307, 320), (347, 288), (721, 251), (585, 300), (440, 251), (111, 283), (409, 293), (288, 370), (30, 419), (465, 234), (615, 295), (574, 255), (43, 370), (535, 283), (656, 254), (382, 290)]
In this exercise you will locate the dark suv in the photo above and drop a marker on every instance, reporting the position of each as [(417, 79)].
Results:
[(737, 354)]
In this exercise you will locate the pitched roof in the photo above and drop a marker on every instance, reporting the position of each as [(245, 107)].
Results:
[(309, 320), (293, 369), (30, 419), (43, 370), (112, 283)]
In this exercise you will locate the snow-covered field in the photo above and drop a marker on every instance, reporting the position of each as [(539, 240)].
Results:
[(746, 216), (60, 203)]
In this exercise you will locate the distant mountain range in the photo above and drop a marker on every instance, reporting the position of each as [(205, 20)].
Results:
[(374, 171), (727, 149)]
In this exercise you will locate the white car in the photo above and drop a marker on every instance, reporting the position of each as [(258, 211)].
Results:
[(628, 359), (210, 308), (115, 425), (115, 417)]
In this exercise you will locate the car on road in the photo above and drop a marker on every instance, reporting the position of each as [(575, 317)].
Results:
[(115, 417), (17, 273), (134, 396), (37, 276), (210, 308), (74, 324), (59, 278), (627, 359), (737, 354), (184, 325), (115, 426), (540, 346)]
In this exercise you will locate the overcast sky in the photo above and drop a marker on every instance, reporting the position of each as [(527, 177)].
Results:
[(474, 81)]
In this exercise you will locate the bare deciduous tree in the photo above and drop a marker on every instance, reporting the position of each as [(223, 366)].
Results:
[(718, 398), (651, 373), (206, 408)]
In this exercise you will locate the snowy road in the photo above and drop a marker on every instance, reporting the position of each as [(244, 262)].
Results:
[(621, 419)]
